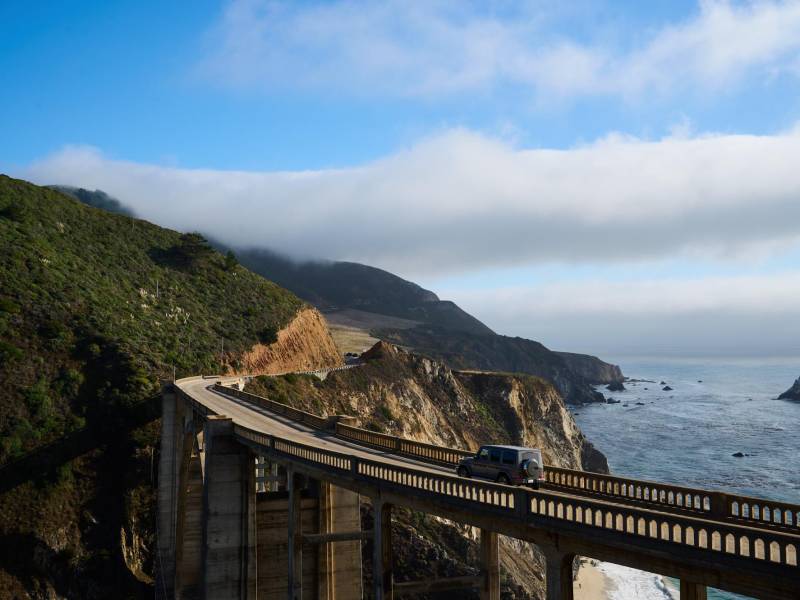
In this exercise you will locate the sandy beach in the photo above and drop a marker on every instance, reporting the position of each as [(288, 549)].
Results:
[(591, 583)]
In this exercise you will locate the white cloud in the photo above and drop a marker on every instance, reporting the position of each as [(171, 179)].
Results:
[(718, 315), (460, 201), (430, 48)]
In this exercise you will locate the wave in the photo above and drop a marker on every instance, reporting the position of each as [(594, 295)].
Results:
[(630, 584)]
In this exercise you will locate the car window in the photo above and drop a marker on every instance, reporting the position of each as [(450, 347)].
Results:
[(483, 454), (509, 457), (494, 455)]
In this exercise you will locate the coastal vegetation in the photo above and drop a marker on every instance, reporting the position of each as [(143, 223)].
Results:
[(95, 309)]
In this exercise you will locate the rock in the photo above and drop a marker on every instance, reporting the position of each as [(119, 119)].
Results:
[(699, 381), (647, 388), (640, 404), (793, 393), (738, 454), (615, 386), (663, 383), (666, 388), (612, 401)]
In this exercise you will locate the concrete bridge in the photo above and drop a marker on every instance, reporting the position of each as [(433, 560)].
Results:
[(260, 500)]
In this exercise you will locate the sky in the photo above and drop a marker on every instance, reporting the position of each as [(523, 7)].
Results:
[(620, 178)]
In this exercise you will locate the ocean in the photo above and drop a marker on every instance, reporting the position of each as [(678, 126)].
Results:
[(688, 436)]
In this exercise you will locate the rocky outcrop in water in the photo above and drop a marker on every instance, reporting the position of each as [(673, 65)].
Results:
[(793, 393)]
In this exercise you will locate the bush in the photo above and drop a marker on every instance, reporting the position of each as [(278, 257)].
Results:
[(268, 335)]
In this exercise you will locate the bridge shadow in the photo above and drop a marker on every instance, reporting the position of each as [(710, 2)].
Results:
[(45, 459)]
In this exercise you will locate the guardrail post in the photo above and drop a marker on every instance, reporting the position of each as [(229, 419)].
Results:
[(382, 575), (295, 549), (490, 565), (719, 504)]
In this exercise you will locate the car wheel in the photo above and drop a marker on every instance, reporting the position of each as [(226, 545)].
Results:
[(462, 472), (503, 478)]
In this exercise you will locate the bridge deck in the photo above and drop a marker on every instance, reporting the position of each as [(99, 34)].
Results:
[(703, 548)]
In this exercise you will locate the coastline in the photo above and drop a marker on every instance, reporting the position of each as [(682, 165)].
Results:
[(591, 583)]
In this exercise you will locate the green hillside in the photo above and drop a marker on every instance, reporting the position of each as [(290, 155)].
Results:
[(95, 307), (333, 285)]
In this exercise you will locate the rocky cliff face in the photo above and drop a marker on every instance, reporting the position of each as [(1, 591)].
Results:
[(495, 353), (592, 369), (305, 344), (420, 398)]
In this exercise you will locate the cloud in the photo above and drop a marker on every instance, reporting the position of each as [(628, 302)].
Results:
[(718, 315), (434, 48), (461, 201)]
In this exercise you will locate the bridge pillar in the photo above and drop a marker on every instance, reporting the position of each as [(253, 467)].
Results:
[(168, 475), (229, 534), (692, 591), (559, 574), (382, 574), (295, 483), (339, 562), (490, 565)]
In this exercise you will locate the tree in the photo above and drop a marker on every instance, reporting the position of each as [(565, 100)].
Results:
[(230, 261)]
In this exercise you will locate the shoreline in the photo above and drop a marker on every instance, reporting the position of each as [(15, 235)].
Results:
[(591, 583)]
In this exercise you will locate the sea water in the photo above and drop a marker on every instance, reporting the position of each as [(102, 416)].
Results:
[(688, 436)]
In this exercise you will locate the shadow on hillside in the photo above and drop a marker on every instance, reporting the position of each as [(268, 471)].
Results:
[(50, 456)]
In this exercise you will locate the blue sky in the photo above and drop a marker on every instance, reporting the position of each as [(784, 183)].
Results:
[(620, 152)]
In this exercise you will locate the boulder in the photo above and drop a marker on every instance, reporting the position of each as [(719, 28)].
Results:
[(793, 393), (666, 388), (615, 386), (612, 401), (738, 454)]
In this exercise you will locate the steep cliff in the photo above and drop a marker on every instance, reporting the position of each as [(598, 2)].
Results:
[(591, 368), (416, 397), (304, 344), (495, 353)]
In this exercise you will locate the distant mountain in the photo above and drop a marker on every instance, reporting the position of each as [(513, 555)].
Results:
[(96, 198), (332, 286)]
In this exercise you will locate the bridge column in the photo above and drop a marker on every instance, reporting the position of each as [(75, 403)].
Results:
[(339, 562), (490, 565), (559, 574), (692, 591), (168, 473), (382, 574), (295, 482), (229, 536)]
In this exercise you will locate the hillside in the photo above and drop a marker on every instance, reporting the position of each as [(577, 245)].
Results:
[(496, 353), (358, 298), (334, 286), (96, 198), (415, 397), (95, 307)]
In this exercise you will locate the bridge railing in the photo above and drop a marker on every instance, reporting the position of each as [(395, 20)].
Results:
[(712, 503), (421, 450), (542, 507), (755, 512)]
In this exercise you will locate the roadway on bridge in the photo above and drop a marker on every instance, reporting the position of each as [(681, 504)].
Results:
[(262, 420), (259, 419)]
